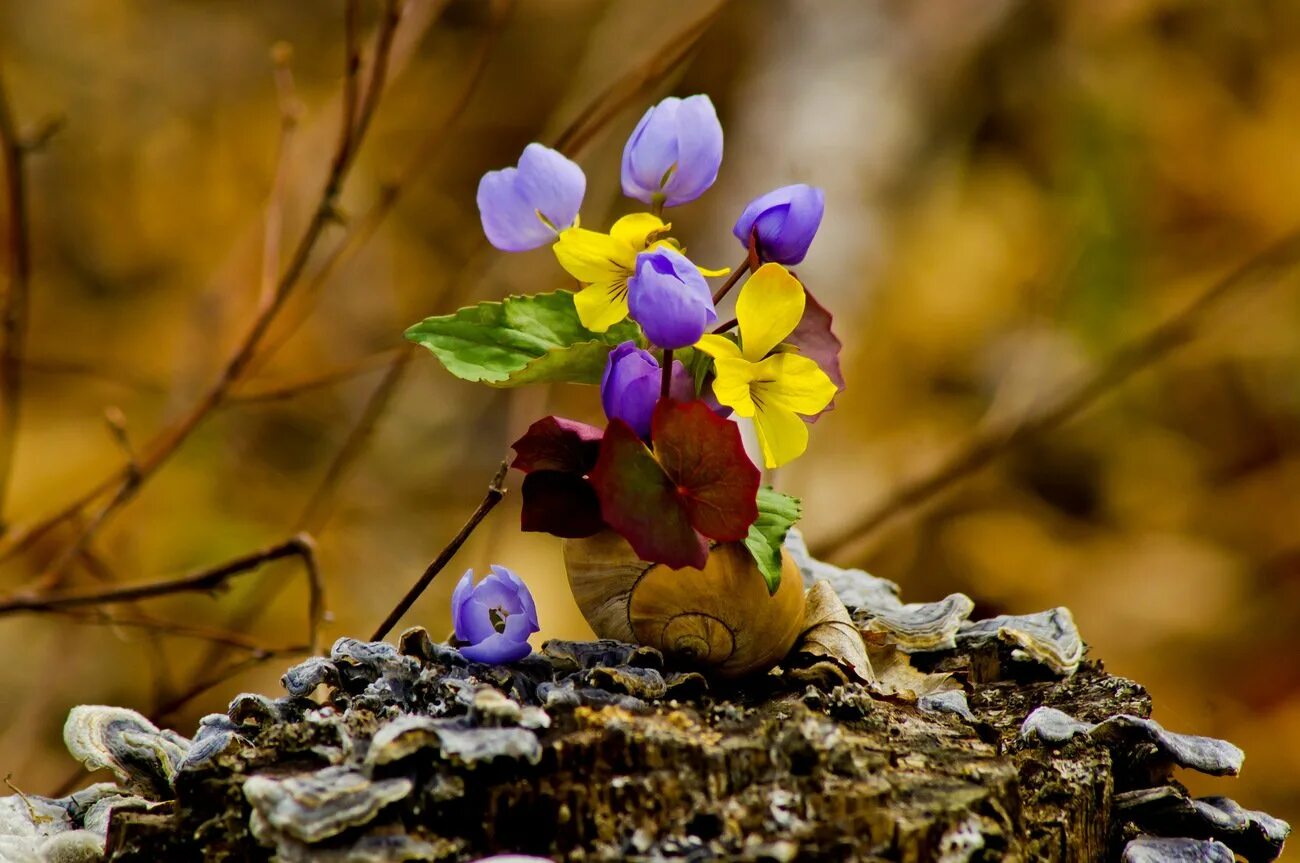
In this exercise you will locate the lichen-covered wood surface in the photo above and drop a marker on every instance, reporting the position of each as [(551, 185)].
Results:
[(981, 745)]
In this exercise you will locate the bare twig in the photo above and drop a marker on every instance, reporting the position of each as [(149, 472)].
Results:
[(214, 635), (317, 509), (1269, 266), (127, 482), (584, 128), (496, 491), (294, 388), (290, 113), (730, 283), (13, 319), (207, 580)]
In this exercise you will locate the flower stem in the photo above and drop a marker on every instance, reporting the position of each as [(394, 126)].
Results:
[(722, 328), (667, 384), (731, 280), (657, 204)]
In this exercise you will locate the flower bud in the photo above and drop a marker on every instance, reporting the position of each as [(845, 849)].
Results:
[(631, 386), (668, 297), (784, 222), (675, 151)]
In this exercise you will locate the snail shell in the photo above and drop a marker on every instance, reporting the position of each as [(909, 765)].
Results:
[(720, 617)]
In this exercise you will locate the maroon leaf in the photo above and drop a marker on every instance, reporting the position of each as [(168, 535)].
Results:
[(561, 504), (704, 459), (639, 501), (815, 340), (557, 444)]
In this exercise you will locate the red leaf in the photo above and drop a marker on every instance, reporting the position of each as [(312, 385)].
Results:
[(555, 443), (561, 504), (639, 501), (814, 339), (704, 459)]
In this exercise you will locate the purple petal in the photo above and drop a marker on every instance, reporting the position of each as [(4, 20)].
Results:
[(495, 591), (509, 221), (510, 199), (699, 151), (651, 150), (552, 184), (529, 609), (497, 649)]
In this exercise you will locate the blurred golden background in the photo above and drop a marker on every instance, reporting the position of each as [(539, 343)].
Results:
[(1016, 191)]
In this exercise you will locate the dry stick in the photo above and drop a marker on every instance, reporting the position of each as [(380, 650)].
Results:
[(12, 153), (622, 93), (1130, 359), (496, 491), (125, 482), (292, 389)]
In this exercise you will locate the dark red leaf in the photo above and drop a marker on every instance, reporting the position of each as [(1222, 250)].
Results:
[(562, 504), (705, 461), (639, 501), (814, 339), (554, 443)]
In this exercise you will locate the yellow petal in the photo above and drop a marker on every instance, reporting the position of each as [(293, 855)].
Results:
[(782, 436), (732, 385), (713, 274), (769, 308), (793, 382), (718, 347), (638, 229), (602, 304), (590, 256)]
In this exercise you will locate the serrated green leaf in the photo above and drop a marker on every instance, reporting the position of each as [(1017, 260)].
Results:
[(521, 340), (777, 513)]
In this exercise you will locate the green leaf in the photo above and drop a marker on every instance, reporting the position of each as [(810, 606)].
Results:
[(777, 513), (521, 340)]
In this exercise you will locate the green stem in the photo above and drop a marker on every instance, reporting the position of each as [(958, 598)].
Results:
[(657, 204)]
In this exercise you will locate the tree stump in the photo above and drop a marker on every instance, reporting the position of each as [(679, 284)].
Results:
[(607, 751)]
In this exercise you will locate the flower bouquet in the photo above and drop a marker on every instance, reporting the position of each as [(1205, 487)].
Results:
[(671, 538)]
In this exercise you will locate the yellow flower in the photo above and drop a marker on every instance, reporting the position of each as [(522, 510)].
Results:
[(604, 263), (774, 390)]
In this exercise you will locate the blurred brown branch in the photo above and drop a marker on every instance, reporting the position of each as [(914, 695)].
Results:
[(14, 316), (207, 580), (1269, 266), (125, 483)]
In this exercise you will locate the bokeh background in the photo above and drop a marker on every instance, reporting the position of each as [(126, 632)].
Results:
[(1016, 190)]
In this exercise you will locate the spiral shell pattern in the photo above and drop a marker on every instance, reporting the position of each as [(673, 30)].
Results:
[(720, 618)]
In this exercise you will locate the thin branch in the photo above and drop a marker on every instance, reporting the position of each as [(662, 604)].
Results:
[(496, 491), (207, 580), (316, 512), (214, 635), (584, 128), (290, 114), (981, 449), (126, 483), (292, 389), (13, 319)]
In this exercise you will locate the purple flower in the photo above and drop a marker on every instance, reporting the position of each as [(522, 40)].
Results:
[(630, 386), (785, 220), (523, 208), (495, 617), (668, 297), (674, 151)]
